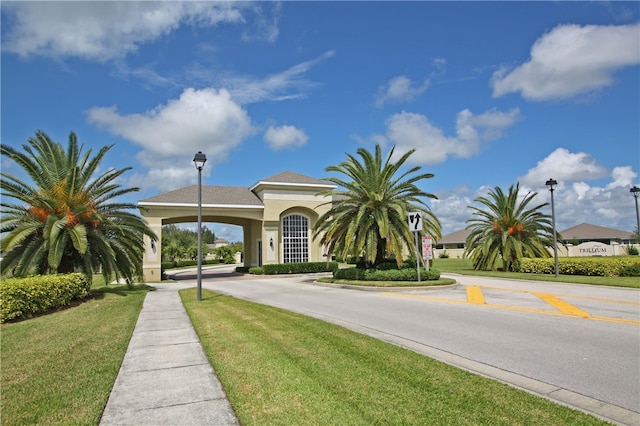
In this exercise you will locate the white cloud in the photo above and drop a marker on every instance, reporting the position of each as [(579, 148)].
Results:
[(623, 177), (265, 23), (200, 120), (102, 31), (284, 85), (564, 166), (285, 137), (570, 60), (400, 89), (411, 130)]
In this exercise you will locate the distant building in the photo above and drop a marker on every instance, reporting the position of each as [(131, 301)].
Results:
[(593, 233), (580, 240)]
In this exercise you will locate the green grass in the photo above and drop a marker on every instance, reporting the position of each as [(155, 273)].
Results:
[(281, 368), (58, 369), (465, 267)]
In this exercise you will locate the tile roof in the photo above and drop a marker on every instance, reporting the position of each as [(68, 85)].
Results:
[(211, 195)]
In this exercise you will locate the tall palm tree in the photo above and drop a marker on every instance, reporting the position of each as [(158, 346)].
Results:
[(368, 213), (66, 219), (505, 229)]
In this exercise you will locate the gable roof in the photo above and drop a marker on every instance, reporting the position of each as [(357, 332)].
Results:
[(232, 196), (292, 179), (586, 231), (211, 195), (457, 237)]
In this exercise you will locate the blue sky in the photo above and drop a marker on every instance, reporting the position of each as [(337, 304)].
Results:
[(488, 93)]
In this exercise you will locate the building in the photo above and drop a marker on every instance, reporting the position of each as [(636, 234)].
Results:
[(276, 214), (580, 240)]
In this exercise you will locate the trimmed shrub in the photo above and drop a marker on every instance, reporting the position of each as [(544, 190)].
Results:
[(631, 270), (297, 268), (25, 297), (167, 265), (589, 266), (404, 274), (257, 270)]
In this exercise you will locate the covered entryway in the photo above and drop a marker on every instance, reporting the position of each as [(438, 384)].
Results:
[(276, 214)]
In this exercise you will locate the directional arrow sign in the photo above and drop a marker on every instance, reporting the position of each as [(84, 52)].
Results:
[(415, 221)]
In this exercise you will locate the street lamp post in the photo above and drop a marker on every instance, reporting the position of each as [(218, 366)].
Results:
[(199, 159), (551, 183), (634, 190)]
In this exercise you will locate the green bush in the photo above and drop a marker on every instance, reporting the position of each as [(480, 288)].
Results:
[(589, 266), (25, 297), (632, 250), (167, 265), (404, 274), (256, 270), (631, 270), (298, 268)]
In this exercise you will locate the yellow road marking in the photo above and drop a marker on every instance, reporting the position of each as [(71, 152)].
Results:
[(474, 295), (568, 296), (513, 308), (562, 306)]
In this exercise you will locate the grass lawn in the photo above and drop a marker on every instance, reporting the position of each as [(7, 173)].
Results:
[(282, 368), (465, 267), (58, 369)]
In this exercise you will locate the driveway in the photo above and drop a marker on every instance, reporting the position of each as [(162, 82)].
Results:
[(575, 344)]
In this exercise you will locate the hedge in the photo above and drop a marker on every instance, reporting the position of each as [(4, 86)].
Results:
[(25, 297), (294, 268), (404, 274), (590, 266), (181, 263)]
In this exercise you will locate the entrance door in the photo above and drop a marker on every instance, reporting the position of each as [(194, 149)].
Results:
[(259, 252)]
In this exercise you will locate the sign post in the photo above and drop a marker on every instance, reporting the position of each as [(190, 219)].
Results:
[(427, 249), (415, 226)]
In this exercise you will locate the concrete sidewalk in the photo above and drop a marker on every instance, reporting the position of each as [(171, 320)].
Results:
[(165, 377)]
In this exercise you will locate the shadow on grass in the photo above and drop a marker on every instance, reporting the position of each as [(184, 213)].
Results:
[(120, 290)]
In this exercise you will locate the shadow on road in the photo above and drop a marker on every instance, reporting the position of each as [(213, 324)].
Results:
[(218, 273)]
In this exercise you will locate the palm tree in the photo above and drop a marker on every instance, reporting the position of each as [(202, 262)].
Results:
[(505, 229), (368, 213), (67, 220)]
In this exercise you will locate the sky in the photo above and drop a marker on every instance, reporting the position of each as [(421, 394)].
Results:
[(489, 94)]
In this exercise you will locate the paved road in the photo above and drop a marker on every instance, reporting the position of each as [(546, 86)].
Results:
[(570, 340)]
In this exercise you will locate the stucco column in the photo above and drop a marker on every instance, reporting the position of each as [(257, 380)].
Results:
[(152, 257)]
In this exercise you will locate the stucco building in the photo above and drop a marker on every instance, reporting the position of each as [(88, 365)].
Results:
[(276, 214)]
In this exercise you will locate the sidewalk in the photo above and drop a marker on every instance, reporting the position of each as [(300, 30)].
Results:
[(165, 377)]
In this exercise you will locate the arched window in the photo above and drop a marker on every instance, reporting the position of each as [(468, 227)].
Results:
[(295, 239)]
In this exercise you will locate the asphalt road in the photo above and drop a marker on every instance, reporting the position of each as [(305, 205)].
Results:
[(576, 344)]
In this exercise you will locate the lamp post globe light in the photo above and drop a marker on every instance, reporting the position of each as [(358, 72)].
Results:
[(551, 183), (634, 190), (199, 159)]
